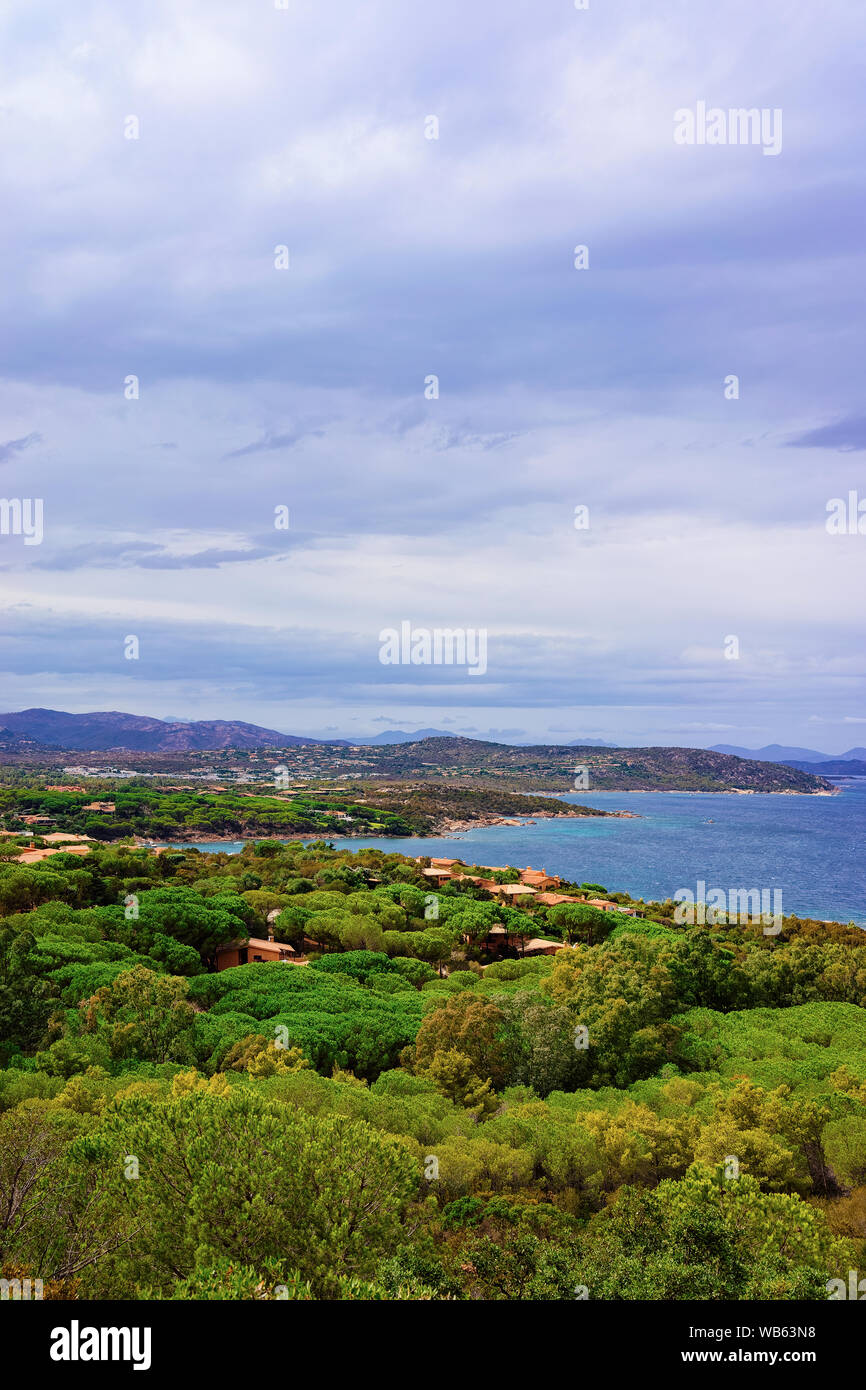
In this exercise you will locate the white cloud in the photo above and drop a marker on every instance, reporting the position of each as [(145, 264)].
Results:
[(453, 257)]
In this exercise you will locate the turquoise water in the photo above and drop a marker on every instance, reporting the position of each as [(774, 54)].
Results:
[(813, 848)]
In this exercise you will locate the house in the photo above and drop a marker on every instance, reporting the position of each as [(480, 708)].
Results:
[(35, 856), (538, 947), (438, 875), (539, 878), (253, 951), (499, 936), (99, 806), (554, 899), (488, 884), (494, 936), (514, 890)]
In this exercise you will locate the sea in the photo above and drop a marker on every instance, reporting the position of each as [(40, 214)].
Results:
[(810, 848)]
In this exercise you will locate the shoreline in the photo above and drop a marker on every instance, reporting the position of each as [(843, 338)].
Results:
[(437, 832), (644, 861), (690, 791), (444, 829)]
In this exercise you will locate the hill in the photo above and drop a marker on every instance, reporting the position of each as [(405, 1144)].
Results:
[(113, 729), (526, 767), (552, 767), (11, 742)]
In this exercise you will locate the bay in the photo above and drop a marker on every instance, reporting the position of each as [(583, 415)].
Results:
[(812, 848)]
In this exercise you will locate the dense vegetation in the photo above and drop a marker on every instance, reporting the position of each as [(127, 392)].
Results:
[(154, 813), (420, 1112)]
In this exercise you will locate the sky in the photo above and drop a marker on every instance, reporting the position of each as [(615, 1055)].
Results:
[(172, 381)]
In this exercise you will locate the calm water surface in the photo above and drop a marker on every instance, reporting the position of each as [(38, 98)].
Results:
[(811, 847)]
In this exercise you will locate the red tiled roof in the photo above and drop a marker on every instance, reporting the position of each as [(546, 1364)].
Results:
[(257, 943)]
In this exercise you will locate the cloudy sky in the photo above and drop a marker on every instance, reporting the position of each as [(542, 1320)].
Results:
[(259, 387)]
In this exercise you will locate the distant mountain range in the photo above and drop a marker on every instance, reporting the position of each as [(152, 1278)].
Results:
[(780, 753), (831, 767), (39, 732), (111, 729), (114, 730)]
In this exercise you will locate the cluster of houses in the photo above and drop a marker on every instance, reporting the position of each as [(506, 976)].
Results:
[(538, 883), (56, 843), (535, 883), (71, 844)]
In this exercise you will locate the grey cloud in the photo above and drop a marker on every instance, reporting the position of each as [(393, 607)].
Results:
[(466, 439), (204, 559), (142, 555), (272, 442), (17, 446), (96, 555), (409, 258), (848, 436)]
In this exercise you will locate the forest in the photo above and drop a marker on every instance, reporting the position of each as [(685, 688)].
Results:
[(133, 810), (421, 1110)]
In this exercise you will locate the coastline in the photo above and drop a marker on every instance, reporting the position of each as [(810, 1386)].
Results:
[(668, 845), (446, 827), (436, 832), (692, 791)]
